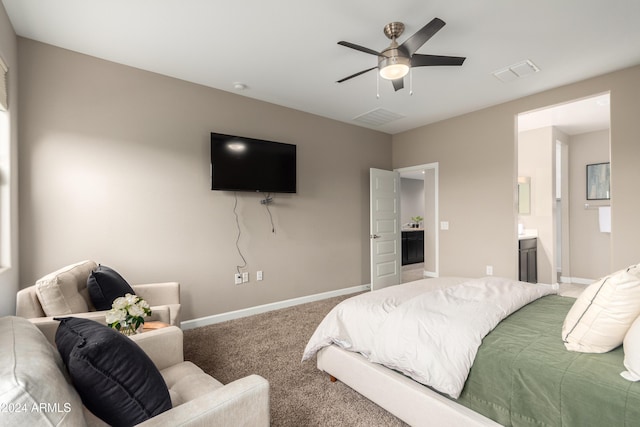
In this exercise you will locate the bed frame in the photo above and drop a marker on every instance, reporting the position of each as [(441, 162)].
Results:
[(414, 403)]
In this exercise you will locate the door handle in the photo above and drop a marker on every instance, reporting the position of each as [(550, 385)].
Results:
[(375, 236)]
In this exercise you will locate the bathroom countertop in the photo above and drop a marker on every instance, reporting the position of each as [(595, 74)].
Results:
[(413, 229), (526, 235)]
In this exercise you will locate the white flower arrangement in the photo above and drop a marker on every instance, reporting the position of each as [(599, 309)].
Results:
[(127, 313)]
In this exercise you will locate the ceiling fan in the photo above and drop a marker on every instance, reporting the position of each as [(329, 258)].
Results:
[(395, 61)]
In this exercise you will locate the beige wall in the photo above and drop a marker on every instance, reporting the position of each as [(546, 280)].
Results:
[(114, 167), (477, 159), (475, 173), (590, 249), (9, 164)]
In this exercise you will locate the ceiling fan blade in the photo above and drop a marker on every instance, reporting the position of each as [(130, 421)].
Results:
[(413, 43), (398, 83), (431, 60), (358, 47), (356, 74)]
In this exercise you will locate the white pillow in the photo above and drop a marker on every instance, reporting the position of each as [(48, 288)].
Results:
[(65, 291), (32, 374), (603, 313), (632, 352)]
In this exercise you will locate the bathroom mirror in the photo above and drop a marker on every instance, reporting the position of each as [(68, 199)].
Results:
[(524, 195)]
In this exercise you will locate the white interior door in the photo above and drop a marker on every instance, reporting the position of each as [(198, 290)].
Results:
[(384, 227)]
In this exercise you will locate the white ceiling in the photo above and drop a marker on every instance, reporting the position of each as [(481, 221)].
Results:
[(286, 52)]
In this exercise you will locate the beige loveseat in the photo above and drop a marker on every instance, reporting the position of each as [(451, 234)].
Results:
[(35, 390), (64, 292)]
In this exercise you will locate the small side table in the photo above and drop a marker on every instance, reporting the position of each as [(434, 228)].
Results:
[(152, 325)]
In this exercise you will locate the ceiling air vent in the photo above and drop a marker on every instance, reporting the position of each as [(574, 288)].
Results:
[(515, 71), (378, 117)]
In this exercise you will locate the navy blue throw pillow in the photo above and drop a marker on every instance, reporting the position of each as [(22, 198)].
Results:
[(105, 285), (116, 380)]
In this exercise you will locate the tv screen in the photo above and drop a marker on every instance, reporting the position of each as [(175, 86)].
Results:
[(247, 164)]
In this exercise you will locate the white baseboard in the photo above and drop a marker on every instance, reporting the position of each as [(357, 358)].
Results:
[(237, 314), (577, 280), (429, 274)]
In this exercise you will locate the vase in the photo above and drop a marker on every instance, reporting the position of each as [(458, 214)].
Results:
[(129, 330)]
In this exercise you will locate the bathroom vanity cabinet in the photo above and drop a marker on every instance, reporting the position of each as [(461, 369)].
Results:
[(528, 249), (412, 246)]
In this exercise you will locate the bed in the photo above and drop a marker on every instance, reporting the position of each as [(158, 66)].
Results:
[(521, 374)]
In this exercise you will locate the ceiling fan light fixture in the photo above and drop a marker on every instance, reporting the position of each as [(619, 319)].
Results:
[(395, 67)]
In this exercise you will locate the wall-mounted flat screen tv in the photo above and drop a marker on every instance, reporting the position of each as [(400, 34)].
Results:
[(248, 164)]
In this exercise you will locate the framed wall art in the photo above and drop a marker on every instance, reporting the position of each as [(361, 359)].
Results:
[(598, 185)]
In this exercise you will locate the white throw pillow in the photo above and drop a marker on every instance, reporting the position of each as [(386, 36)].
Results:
[(65, 291), (33, 388), (603, 313), (631, 345)]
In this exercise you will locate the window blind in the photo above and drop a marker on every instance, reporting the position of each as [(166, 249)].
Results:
[(4, 105)]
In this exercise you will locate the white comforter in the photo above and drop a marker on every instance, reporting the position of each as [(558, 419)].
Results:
[(429, 330)]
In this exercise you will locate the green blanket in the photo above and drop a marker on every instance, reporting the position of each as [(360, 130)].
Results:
[(524, 376)]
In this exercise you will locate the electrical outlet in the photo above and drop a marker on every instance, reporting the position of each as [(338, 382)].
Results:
[(237, 278), (259, 275), (245, 277), (489, 270), (444, 225)]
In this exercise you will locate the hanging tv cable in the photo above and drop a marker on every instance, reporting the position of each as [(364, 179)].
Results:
[(268, 199), (235, 205)]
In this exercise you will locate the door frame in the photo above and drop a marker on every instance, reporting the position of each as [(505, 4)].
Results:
[(436, 168), (567, 275)]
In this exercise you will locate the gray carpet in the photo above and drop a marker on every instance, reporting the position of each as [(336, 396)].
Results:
[(271, 345)]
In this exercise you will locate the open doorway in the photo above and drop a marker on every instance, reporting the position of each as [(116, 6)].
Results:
[(419, 219), (562, 223)]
